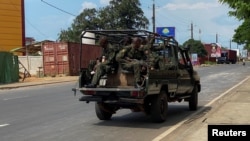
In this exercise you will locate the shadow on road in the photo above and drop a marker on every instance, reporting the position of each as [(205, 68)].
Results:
[(176, 114)]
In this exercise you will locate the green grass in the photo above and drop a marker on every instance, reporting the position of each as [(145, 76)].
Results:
[(210, 63)]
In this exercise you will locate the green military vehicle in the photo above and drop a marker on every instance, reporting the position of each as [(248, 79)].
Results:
[(174, 80)]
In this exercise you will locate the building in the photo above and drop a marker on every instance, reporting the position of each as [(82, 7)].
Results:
[(29, 41), (12, 24)]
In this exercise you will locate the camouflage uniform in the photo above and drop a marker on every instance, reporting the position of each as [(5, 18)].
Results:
[(130, 58), (104, 67), (152, 58), (91, 67)]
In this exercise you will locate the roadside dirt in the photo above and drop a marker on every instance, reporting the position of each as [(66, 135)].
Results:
[(37, 79), (31, 79)]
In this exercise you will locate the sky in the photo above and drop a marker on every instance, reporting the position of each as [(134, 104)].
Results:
[(44, 22)]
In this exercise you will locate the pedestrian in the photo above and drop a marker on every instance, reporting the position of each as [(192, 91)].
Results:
[(130, 59), (106, 62)]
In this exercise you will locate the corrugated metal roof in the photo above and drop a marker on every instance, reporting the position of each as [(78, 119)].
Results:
[(31, 48)]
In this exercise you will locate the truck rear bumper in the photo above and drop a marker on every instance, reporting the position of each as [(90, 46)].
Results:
[(112, 95), (120, 92), (111, 101), (108, 89)]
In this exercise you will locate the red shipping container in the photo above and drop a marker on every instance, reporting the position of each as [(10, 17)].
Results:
[(64, 57)]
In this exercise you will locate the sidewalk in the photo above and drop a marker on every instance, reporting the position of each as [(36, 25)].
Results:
[(232, 108), (32, 81)]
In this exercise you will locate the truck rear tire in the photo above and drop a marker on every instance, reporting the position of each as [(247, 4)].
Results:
[(159, 107), (102, 112), (193, 100)]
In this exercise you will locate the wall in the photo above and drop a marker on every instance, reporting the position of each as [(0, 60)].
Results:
[(8, 68), (12, 26), (31, 63)]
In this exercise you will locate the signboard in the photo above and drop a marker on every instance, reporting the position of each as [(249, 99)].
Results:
[(166, 31), (194, 57), (215, 50)]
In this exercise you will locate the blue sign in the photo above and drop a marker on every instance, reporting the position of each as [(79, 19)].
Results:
[(166, 31)]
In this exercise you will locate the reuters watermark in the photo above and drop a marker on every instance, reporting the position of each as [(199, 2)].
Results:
[(239, 132)]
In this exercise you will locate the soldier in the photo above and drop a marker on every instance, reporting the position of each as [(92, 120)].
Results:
[(91, 69), (126, 41), (108, 58), (150, 51), (130, 57)]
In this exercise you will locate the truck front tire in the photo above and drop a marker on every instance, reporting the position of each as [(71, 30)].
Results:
[(193, 100)]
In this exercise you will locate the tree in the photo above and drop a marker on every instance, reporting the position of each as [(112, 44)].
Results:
[(242, 35), (119, 14), (88, 19), (240, 10), (196, 47), (127, 14)]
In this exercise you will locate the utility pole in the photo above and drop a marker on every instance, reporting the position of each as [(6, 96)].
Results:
[(200, 34), (216, 37), (192, 31), (230, 43), (153, 18)]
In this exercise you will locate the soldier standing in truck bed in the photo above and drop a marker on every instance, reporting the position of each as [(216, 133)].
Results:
[(108, 60), (129, 58), (151, 56)]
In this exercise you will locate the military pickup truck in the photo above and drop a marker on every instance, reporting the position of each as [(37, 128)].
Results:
[(174, 81)]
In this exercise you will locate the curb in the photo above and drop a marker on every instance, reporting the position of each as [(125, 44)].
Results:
[(36, 84)]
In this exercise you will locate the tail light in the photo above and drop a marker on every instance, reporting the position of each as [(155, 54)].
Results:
[(137, 93), (89, 92)]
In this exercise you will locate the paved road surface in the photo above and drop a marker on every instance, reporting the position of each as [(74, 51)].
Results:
[(51, 112)]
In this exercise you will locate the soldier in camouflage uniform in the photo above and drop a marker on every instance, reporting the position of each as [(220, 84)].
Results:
[(130, 58), (151, 56), (108, 58)]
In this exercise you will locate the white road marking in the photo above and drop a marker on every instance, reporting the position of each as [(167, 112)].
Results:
[(167, 132), (3, 125), (5, 99)]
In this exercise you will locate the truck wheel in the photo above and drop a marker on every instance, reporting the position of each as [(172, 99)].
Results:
[(102, 111), (159, 107), (193, 100), (147, 105)]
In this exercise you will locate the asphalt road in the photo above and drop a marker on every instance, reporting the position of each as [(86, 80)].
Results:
[(51, 112)]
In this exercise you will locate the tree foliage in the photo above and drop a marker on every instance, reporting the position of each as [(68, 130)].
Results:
[(196, 47), (119, 14), (86, 20), (240, 10), (128, 14)]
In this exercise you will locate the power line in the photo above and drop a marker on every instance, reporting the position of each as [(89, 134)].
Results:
[(36, 28), (58, 8)]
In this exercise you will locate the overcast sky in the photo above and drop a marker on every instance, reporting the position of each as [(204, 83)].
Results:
[(209, 16)]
